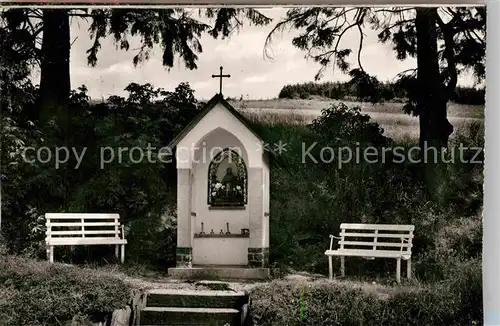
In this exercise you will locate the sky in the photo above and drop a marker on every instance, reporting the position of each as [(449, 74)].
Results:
[(252, 75)]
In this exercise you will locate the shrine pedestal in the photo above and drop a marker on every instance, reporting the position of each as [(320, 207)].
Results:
[(222, 257), (220, 249)]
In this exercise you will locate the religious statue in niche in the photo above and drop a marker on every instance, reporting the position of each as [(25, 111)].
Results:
[(227, 180)]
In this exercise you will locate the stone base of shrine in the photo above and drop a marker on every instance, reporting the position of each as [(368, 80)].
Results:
[(202, 272)]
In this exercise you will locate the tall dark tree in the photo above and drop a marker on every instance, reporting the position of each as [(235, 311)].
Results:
[(445, 41), (431, 91), (55, 82)]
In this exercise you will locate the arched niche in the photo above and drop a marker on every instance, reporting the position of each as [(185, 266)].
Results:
[(227, 180)]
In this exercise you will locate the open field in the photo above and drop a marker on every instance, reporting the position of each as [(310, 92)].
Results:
[(390, 116)]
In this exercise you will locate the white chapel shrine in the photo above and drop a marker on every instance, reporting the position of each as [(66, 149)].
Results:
[(222, 197)]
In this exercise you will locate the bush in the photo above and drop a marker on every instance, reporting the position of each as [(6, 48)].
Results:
[(348, 125), (152, 241), (39, 293), (469, 95), (304, 95), (450, 245), (455, 302)]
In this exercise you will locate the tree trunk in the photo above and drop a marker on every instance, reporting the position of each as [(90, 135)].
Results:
[(55, 85), (435, 129)]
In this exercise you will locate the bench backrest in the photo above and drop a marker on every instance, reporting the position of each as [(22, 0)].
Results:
[(379, 237), (79, 225)]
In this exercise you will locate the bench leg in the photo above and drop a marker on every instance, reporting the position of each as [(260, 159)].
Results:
[(398, 270), (408, 269), (122, 256), (330, 267), (51, 254), (117, 251), (342, 266)]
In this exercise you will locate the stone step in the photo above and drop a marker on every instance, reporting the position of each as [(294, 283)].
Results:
[(189, 316), (196, 299)]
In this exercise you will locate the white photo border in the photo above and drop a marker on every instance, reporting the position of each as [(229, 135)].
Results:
[(491, 208)]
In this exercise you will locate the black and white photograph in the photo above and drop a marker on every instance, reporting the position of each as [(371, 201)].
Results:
[(237, 165)]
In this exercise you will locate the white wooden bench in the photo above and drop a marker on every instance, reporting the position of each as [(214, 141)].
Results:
[(372, 241), (70, 229)]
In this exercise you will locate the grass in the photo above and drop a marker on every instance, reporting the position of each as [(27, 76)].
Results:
[(390, 116), (322, 302), (456, 110), (38, 293)]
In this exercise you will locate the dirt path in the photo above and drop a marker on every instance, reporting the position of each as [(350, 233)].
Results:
[(382, 291)]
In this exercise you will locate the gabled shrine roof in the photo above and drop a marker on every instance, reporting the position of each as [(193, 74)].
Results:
[(219, 99)]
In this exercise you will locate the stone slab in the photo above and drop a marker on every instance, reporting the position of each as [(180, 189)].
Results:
[(220, 273), (189, 316), (196, 298)]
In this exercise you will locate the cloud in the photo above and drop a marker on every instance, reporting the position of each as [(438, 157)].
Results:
[(255, 79)]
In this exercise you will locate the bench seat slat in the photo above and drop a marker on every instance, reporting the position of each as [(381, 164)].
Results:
[(384, 227), (378, 244), (79, 232), (79, 224), (378, 235), (368, 253), (85, 241), (79, 216)]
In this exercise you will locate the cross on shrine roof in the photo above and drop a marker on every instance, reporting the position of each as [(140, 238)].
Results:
[(220, 76)]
